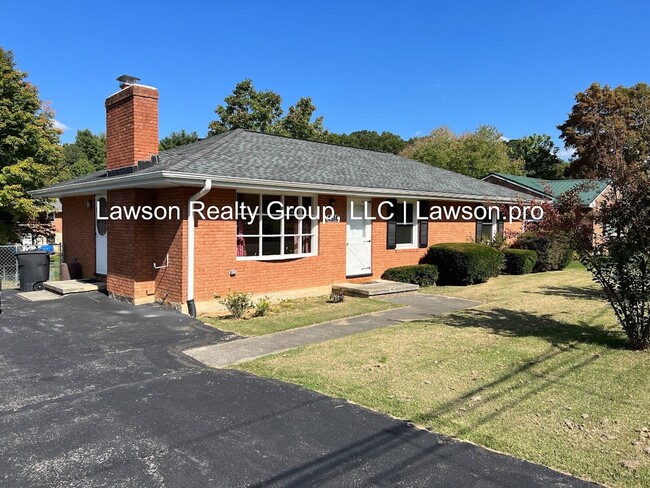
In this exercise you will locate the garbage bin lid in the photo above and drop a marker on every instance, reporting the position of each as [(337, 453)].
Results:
[(20, 253)]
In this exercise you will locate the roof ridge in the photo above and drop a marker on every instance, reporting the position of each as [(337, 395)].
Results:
[(228, 136), (325, 143)]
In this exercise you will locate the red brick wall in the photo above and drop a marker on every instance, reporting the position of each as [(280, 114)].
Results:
[(134, 246), (131, 126), (131, 247), (78, 228), (215, 256)]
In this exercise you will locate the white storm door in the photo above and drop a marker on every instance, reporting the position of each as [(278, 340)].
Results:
[(101, 235), (359, 244)]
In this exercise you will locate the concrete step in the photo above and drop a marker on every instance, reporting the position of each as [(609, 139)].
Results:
[(67, 287), (373, 288), (38, 296)]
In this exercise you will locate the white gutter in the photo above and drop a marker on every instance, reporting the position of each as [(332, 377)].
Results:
[(191, 308)]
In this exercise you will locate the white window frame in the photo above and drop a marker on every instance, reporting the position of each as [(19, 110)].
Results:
[(414, 227), (282, 256)]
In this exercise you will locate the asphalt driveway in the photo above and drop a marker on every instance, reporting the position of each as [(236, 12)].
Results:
[(94, 392)]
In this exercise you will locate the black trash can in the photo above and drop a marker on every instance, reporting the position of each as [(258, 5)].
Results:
[(33, 269)]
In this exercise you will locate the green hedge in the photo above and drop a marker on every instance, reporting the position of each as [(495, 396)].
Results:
[(553, 253), (519, 261), (464, 263), (419, 274)]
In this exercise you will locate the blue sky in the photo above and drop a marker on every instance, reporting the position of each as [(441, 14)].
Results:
[(405, 67)]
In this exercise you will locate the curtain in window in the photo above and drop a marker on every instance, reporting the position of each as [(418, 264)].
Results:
[(241, 242)]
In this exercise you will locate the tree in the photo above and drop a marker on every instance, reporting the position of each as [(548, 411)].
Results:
[(247, 108), (175, 139), (261, 111), (366, 139), (608, 128), (474, 154), (86, 154), (29, 143), (539, 156), (602, 118), (298, 124)]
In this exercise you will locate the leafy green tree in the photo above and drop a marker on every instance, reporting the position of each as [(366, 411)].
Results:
[(29, 143), (247, 108), (371, 140), (179, 138), (85, 155), (298, 124), (474, 154), (602, 118), (539, 156), (261, 111), (74, 163), (93, 146)]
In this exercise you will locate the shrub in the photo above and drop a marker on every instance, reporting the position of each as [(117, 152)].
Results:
[(262, 307), (238, 303), (464, 263), (553, 252), (419, 274), (519, 261)]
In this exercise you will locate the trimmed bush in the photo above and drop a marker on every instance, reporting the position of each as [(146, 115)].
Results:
[(519, 261), (464, 263), (419, 274), (553, 253)]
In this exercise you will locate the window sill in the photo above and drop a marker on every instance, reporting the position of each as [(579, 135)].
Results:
[(286, 257), (400, 247)]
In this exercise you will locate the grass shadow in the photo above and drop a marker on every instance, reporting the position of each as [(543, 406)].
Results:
[(512, 323), (572, 292)]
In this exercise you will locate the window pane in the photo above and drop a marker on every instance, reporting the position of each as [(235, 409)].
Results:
[(248, 246), (102, 225), (306, 202), (399, 213), (486, 231), (249, 199), (306, 244), (270, 226), (291, 244), (291, 226), (404, 234), (246, 228), (270, 246), (276, 207), (306, 226), (290, 201)]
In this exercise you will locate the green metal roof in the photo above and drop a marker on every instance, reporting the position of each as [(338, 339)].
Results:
[(553, 188)]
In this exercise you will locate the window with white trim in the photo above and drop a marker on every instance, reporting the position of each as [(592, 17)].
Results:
[(286, 232), (405, 228)]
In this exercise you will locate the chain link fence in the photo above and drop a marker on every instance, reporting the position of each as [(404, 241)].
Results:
[(9, 264)]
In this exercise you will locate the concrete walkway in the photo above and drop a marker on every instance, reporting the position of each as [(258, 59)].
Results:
[(417, 307)]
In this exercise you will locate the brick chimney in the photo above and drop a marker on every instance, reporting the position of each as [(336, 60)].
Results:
[(131, 124)]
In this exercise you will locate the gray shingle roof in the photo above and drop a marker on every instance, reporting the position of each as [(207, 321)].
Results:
[(253, 155)]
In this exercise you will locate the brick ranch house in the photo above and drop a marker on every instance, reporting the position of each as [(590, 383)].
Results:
[(186, 262)]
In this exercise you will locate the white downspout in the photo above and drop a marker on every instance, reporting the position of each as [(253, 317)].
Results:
[(191, 307)]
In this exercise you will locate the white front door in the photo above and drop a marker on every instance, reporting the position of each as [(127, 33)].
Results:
[(359, 243), (101, 235)]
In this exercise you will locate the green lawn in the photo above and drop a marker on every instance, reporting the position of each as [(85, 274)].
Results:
[(540, 371), (290, 314)]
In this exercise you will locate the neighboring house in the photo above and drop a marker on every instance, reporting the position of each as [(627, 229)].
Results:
[(57, 222), (590, 191), (182, 260)]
